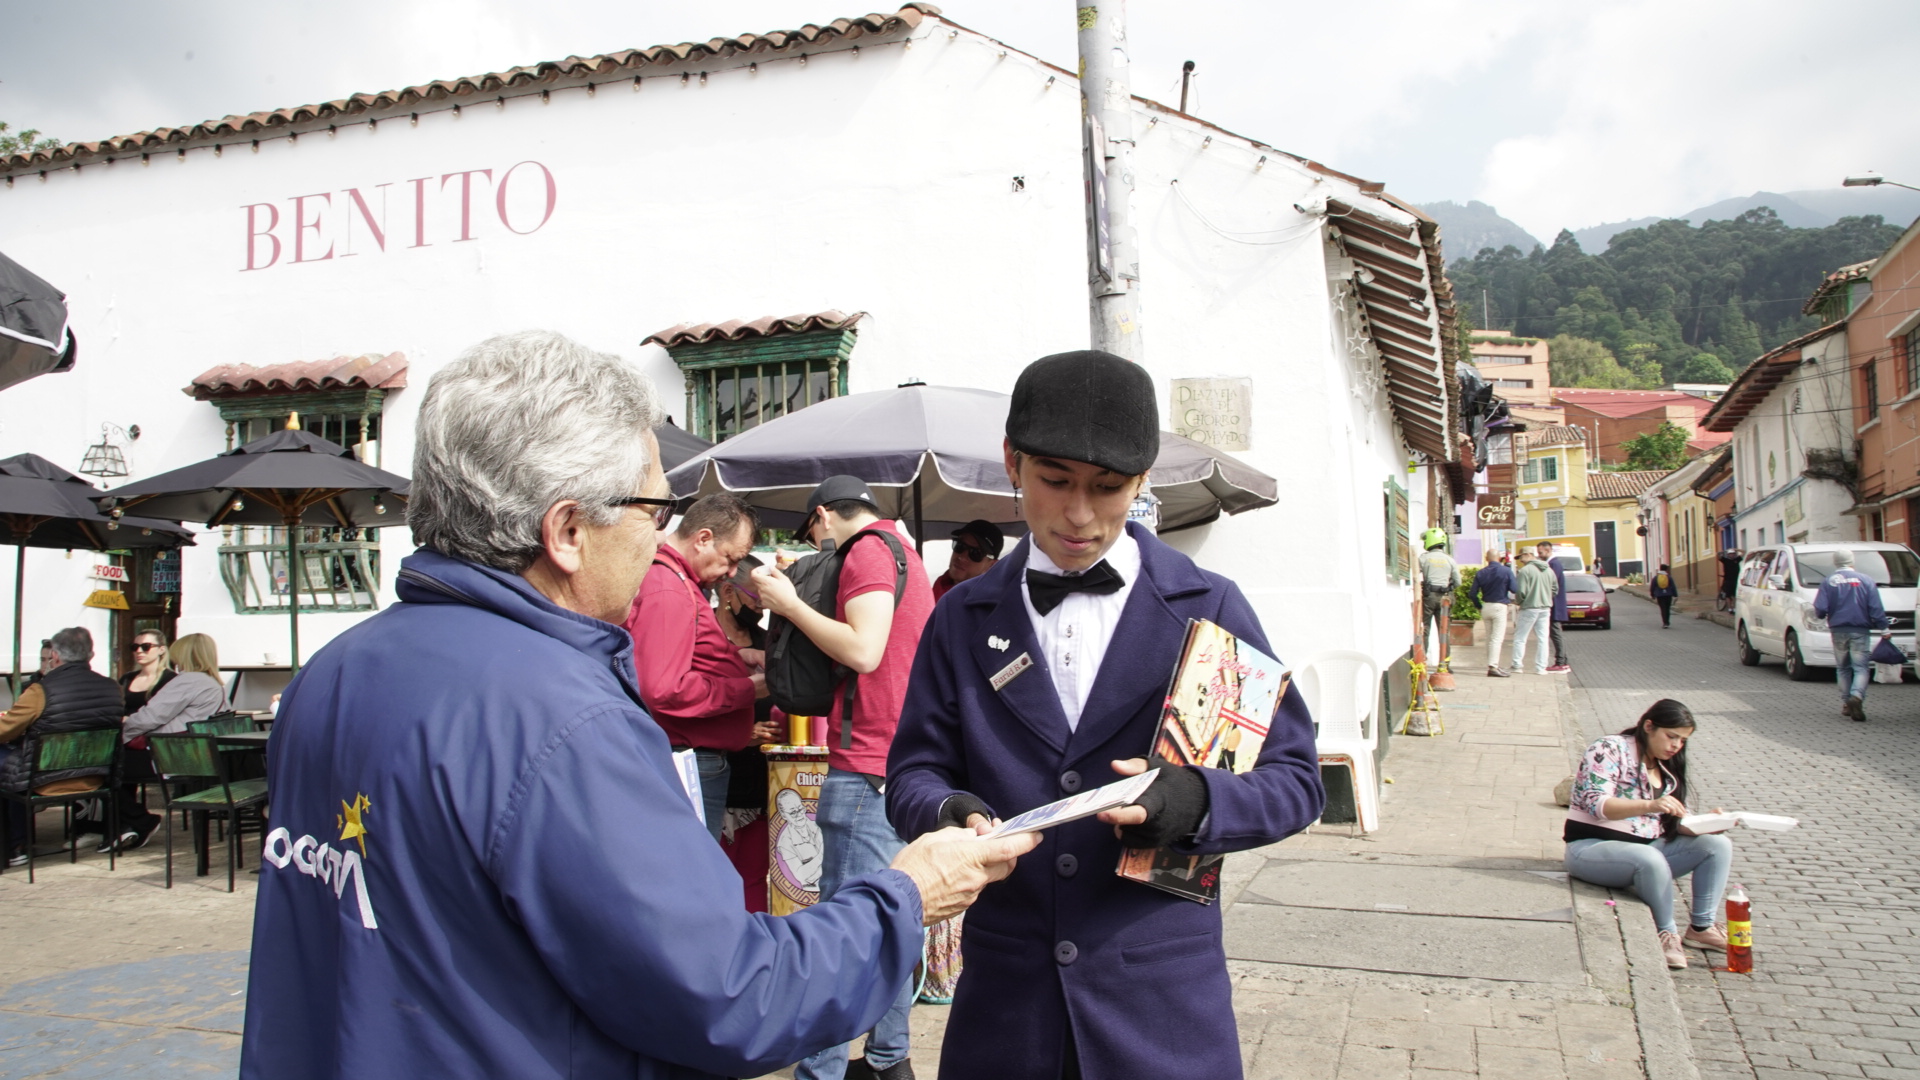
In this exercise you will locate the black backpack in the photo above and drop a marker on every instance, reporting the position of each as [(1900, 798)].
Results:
[(801, 679)]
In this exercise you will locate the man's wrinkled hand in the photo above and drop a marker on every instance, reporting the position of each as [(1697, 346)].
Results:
[(952, 865)]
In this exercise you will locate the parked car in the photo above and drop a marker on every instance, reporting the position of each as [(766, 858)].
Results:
[(1587, 603), (1773, 611)]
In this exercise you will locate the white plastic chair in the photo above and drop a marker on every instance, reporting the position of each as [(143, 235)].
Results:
[(1342, 691)]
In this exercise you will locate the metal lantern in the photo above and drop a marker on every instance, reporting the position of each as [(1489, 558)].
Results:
[(105, 458)]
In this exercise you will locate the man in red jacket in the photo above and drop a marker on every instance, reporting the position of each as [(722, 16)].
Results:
[(698, 686)]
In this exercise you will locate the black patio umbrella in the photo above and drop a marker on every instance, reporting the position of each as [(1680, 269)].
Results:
[(289, 478), (677, 445), (932, 455), (43, 505), (34, 338)]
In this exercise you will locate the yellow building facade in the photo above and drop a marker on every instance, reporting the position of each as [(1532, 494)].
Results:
[(1566, 502)]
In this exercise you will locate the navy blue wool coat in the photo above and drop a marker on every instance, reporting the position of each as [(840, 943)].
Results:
[(1137, 975)]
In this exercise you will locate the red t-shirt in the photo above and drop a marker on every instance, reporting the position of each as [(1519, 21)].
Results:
[(880, 695), (941, 585)]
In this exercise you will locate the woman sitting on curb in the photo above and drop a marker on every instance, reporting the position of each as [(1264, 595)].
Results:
[(1623, 827)]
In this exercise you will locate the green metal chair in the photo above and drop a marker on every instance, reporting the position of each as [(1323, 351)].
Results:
[(224, 723), (191, 757), (96, 749)]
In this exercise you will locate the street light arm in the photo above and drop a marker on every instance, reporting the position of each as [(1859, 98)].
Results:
[(1871, 180)]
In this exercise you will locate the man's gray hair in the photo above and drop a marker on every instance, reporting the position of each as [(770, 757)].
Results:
[(74, 645), (518, 423)]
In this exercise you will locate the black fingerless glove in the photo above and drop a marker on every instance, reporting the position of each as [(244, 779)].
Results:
[(959, 807), (1176, 803)]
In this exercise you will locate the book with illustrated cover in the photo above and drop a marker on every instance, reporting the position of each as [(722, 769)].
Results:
[(1219, 703)]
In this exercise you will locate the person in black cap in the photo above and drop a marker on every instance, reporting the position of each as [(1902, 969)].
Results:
[(1046, 677), (976, 547), (874, 633)]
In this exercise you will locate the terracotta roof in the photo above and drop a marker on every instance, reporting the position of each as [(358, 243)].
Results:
[(368, 372), (1832, 282), (1621, 403), (1752, 385), (1622, 485), (765, 326), (611, 65), (1707, 440), (1563, 435)]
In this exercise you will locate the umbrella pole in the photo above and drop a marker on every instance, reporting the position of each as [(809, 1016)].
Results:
[(918, 540), (293, 590), (19, 575)]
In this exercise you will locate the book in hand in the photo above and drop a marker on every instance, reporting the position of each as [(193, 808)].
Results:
[(1074, 807), (1702, 824), (1219, 703)]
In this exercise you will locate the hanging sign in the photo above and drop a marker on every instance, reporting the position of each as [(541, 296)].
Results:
[(107, 572), (106, 598), (1494, 511)]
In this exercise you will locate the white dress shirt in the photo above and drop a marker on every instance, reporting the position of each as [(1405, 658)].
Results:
[(1074, 636)]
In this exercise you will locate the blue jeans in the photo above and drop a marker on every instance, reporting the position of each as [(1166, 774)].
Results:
[(1651, 868), (1532, 622), (1850, 666), (714, 773), (853, 816)]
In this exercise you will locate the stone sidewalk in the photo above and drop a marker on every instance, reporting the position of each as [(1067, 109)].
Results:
[(1445, 946)]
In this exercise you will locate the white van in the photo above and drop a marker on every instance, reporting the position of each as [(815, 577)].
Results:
[(1773, 612)]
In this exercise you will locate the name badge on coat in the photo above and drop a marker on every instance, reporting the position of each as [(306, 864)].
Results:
[(1008, 673)]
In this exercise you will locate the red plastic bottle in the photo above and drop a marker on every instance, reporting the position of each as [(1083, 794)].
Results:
[(1739, 931)]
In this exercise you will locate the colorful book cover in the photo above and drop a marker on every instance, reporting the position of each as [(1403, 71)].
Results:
[(1219, 703)]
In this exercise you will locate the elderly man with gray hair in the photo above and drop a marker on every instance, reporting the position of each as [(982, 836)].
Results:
[(69, 696), (482, 860)]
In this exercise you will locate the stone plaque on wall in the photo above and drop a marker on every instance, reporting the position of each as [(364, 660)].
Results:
[(1215, 412)]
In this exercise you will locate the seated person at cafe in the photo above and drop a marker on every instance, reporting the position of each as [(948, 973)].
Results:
[(69, 696), (194, 693)]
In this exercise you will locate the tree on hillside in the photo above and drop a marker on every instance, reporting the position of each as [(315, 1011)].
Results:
[(1706, 368), (1671, 291), (1582, 362), (1662, 449), (25, 142)]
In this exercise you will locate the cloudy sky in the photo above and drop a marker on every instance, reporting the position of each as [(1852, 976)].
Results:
[(1558, 114)]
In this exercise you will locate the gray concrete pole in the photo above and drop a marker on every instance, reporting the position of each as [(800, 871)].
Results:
[(1113, 271)]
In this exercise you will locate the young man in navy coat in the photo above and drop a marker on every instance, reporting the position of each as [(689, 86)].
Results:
[(1046, 676)]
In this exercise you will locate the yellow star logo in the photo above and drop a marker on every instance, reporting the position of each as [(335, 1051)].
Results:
[(352, 827)]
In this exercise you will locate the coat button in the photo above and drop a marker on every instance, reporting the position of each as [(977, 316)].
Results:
[(1069, 781), (1067, 865), (1065, 953)]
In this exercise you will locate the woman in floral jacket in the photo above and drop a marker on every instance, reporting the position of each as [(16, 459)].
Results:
[(1623, 827)]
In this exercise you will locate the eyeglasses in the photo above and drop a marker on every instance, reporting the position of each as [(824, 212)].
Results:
[(662, 508), (973, 554), (145, 646)]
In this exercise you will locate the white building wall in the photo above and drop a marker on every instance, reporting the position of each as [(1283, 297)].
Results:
[(1809, 410), (879, 181)]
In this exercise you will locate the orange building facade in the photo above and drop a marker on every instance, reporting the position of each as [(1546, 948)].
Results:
[(1615, 416), (1883, 346)]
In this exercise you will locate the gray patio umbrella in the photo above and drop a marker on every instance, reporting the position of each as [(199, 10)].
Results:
[(34, 338), (677, 445), (932, 455), (43, 505), (289, 478)]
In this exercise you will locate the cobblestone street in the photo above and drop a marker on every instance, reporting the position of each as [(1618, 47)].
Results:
[(1835, 989)]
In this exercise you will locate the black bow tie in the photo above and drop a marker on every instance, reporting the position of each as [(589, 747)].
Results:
[(1048, 590)]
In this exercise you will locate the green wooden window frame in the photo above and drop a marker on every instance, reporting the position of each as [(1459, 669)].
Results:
[(1399, 560), (736, 385)]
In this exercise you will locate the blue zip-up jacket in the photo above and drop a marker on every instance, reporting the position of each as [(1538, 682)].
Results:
[(482, 863), (1849, 600), (1492, 584)]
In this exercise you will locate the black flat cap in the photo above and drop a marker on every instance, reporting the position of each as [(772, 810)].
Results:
[(1086, 406), (989, 535), (838, 488)]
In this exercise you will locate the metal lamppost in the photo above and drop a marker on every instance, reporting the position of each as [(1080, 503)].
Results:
[(1113, 248), (1874, 180)]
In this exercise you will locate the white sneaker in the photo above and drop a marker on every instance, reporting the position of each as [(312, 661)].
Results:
[(1675, 952)]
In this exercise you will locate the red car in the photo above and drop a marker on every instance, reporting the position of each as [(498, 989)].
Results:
[(1587, 603)]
